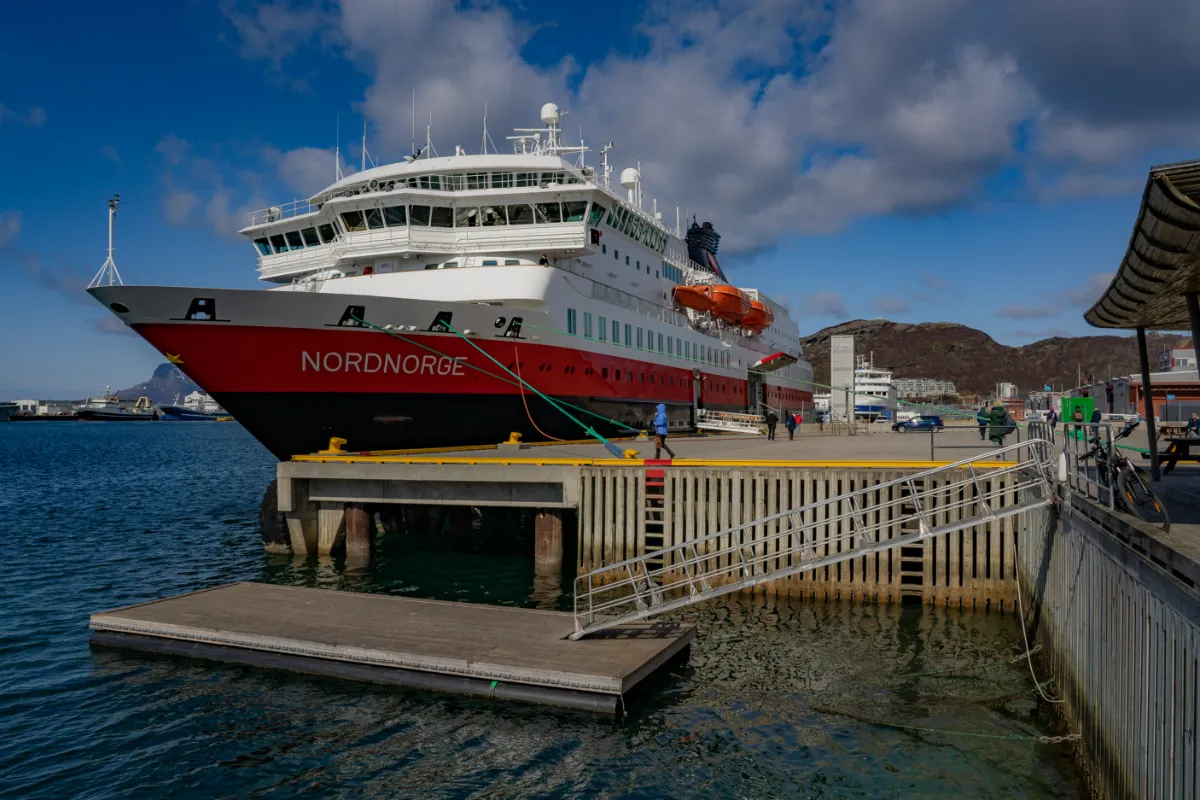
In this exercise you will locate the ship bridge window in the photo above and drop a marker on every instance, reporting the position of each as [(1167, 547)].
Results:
[(552, 177), (310, 237), (547, 213), (453, 183), (278, 243), (477, 180), (502, 180), (294, 241), (467, 218), (574, 211), (598, 211), (520, 215), (493, 215), (395, 216), (328, 234), (442, 217), (264, 246), (490, 262), (374, 218), (353, 220), (418, 215), (433, 182), (526, 179)]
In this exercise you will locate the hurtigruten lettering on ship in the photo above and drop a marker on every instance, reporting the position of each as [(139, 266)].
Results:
[(534, 257)]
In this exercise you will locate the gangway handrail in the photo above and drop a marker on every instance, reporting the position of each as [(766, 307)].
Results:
[(683, 574)]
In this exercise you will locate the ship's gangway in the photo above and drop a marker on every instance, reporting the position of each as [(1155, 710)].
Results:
[(730, 422), (816, 535)]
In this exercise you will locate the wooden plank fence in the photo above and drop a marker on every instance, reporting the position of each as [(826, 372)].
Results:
[(971, 568)]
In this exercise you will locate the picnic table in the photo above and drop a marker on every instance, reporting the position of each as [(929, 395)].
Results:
[(1171, 430), (1179, 449)]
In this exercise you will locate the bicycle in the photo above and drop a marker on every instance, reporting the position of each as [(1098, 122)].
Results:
[(1131, 488)]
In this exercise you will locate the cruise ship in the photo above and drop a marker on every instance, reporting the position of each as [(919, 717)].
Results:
[(429, 302)]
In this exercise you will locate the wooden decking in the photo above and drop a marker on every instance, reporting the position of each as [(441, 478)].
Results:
[(492, 651)]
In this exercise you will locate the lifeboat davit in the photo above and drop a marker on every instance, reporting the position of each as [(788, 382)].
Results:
[(758, 318), (697, 298), (730, 303)]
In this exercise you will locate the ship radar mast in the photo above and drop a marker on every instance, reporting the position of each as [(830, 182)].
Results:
[(530, 141), (108, 275)]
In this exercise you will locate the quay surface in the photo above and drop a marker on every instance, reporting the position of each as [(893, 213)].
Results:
[(487, 651)]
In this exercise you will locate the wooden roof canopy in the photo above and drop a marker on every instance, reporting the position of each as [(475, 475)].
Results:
[(1162, 262)]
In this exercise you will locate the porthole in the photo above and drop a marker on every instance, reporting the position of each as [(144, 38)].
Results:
[(120, 308)]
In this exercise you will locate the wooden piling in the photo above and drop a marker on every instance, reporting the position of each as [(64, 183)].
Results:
[(358, 533)]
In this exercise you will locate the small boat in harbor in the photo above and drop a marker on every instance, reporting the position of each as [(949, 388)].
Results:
[(108, 409), (196, 407)]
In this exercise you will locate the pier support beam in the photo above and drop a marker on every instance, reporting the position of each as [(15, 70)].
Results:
[(300, 514), (548, 542), (358, 534), (331, 528)]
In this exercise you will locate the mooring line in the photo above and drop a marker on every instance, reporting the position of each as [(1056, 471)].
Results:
[(1012, 737)]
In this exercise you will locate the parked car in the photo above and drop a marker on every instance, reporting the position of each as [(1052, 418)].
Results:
[(921, 423)]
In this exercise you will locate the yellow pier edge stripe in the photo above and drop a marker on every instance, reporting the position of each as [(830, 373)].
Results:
[(396, 458)]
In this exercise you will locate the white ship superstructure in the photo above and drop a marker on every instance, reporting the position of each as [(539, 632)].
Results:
[(874, 394), (532, 257)]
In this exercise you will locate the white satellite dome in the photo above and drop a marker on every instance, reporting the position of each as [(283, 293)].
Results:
[(549, 113), (630, 178)]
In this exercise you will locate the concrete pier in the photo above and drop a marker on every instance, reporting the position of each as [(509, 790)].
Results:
[(620, 508), (487, 651)]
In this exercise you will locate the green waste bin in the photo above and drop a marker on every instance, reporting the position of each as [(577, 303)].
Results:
[(1069, 404)]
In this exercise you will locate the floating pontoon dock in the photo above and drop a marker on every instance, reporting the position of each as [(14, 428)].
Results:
[(464, 648)]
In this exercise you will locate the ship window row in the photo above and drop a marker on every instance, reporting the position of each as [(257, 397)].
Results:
[(644, 339), (636, 226), (672, 272), (400, 216), (296, 240), (468, 182)]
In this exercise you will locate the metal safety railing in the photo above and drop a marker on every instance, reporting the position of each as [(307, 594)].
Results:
[(815, 535), (1083, 472), (707, 420)]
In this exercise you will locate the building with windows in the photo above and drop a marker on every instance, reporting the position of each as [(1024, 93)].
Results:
[(1181, 357), (1005, 390), (924, 387)]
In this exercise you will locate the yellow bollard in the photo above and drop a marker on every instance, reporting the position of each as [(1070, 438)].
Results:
[(335, 447)]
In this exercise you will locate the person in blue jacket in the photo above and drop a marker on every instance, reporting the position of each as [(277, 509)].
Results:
[(660, 432)]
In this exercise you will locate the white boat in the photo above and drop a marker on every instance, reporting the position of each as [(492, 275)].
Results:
[(874, 396), (431, 301)]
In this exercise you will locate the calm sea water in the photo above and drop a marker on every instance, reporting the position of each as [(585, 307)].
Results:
[(779, 698)]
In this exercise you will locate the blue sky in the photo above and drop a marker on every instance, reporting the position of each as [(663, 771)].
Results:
[(926, 160)]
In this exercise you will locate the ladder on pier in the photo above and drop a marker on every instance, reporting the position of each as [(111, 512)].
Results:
[(814, 535), (730, 422)]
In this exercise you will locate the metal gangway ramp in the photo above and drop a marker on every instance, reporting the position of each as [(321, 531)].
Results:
[(730, 422), (735, 558)]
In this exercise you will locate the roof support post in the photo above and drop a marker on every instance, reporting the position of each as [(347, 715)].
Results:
[(1148, 397)]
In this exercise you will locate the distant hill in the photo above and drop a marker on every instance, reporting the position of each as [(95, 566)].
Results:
[(164, 385), (975, 361)]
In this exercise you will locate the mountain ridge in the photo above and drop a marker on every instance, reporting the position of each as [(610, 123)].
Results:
[(165, 384), (975, 361)]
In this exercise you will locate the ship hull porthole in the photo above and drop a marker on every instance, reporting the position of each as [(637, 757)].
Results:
[(120, 308)]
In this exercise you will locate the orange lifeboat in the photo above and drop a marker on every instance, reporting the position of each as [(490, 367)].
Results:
[(697, 298), (758, 318), (730, 303)]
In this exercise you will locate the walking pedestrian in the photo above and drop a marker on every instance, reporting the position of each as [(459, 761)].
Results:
[(1052, 418), (1096, 418), (982, 420), (772, 421), (789, 421), (660, 432), (996, 419)]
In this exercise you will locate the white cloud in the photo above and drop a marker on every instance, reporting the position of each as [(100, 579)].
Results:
[(178, 204), (271, 31), (111, 153), (783, 117), (10, 227), (173, 149), (1020, 311), (34, 117), (824, 304), (305, 170), (892, 305)]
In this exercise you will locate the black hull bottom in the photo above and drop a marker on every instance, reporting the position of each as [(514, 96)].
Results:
[(291, 424)]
